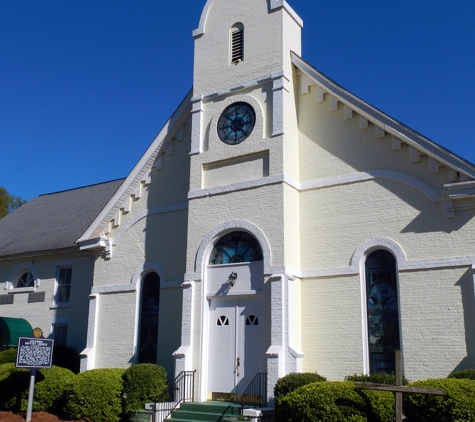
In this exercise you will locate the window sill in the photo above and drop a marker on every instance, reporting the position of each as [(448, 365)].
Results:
[(21, 290)]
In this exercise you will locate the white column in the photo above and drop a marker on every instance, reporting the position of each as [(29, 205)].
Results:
[(276, 352), (184, 355), (88, 355), (197, 125), (278, 107)]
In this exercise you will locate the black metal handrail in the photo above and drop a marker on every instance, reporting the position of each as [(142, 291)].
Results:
[(255, 394), (180, 391)]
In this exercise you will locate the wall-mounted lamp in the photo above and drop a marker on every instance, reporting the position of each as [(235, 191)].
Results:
[(232, 279)]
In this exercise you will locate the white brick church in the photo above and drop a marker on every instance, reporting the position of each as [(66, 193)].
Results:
[(276, 224)]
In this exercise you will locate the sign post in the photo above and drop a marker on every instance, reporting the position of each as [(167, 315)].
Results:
[(34, 353)]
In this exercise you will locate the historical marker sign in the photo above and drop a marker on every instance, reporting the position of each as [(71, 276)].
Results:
[(34, 353)]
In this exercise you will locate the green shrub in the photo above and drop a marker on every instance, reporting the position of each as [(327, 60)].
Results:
[(335, 402), (8, 356), (458, 404), (468, 374), (5, 370), (293, 381), (66, 357), (376, 378), (143, 383), (14, 383), (49, 392), (50, 385), (96, 396)]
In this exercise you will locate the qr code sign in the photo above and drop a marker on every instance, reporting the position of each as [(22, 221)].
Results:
[(33, 353)]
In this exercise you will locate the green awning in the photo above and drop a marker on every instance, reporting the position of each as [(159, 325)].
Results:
[(12, 329)]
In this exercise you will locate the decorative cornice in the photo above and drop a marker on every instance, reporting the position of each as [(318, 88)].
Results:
[(264, 181), (403, 264), (322, 183), (460, 190), (371, 175), (131, 185), (240, 87), (382, 120), (93, 243)]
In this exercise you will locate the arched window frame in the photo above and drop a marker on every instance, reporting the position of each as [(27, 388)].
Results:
[(17, 272), (141, 305), (236, 43), (230, 233), (136, 281), (396, 252)]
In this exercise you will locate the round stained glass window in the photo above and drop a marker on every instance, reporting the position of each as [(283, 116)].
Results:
[(236, 123), (236, 247)]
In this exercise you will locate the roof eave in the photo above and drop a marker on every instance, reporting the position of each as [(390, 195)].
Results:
[(158, 143), (387, 123)]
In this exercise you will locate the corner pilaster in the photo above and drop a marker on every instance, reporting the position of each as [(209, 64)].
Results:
[(184, 355), (88, 355)]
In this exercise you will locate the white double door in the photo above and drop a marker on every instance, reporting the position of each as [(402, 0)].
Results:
[(236, 351)]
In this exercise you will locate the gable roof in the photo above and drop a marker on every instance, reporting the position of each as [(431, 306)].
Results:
[(53, 221), (141, 173), (383, 121)]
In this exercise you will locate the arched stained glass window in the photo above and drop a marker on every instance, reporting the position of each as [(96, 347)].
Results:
[(236, 247), (149, 318), (382, 310)]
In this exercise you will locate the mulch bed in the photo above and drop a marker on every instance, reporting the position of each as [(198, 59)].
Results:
[(35, 417)]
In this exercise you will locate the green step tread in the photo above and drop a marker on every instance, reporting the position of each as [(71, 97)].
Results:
[(200, 416), (210, 411)]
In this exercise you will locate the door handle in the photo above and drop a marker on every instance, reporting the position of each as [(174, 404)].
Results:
[(238, 361)]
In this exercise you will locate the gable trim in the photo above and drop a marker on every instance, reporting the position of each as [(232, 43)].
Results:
[(151, 211), (158, 145), (383, 121)]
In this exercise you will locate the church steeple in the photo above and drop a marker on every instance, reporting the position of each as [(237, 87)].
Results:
[(236, 41)]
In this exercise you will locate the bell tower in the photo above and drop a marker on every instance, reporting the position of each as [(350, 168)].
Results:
[(244, 148), (243, 47), (240, 41)]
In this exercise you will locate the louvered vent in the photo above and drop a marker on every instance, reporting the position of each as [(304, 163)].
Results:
[(237, 44)]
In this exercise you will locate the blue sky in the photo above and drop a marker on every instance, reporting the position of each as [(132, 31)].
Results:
[(85, 85)]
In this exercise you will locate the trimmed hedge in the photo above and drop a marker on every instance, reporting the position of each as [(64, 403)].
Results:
[(468, 374), (335, 402), (8, 356), (291, 382), (295, 380), (50, 385), (376, 378), (49, 392), (96, 395), (458, 404), (143, 383), (13, 383)]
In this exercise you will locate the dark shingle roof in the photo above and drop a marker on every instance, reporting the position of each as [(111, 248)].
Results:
[(53, 221)]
